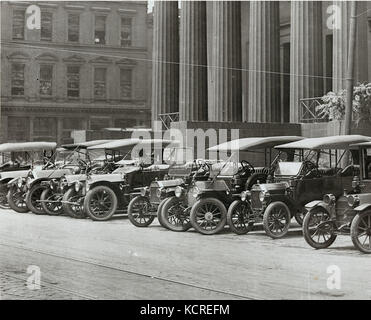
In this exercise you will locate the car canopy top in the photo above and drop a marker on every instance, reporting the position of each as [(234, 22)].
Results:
[(85, 145), (124, 143), (341, 142), (27, 146), (253, 143), (362, 144)]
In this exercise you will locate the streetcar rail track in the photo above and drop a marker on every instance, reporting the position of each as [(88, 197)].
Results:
[(144, 275)]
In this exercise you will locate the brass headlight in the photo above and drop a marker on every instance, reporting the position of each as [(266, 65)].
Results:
[(245, 195), (159, 192), (77, 186), (144, 191), (353, 200), (195, 192), (178, 191), (329, 199), (19, 182)]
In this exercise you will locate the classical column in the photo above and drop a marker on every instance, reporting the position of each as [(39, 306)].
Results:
[(165, 67), (264, 62), (225, 65), (306, 64), (193, 61), (341, 41)]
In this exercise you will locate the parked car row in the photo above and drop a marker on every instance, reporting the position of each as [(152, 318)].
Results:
[(323, 183)]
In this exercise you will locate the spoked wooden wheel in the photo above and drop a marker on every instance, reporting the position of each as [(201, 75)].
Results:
[(53, 207), (175, 215), (100, 203), (240, 217), (276, 220), (208, 216), (360, 231), (32, 199), (73, 203), (318, 229), (3, 200), (140, 212), (17, 200)]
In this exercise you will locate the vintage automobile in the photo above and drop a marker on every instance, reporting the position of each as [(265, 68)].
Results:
[(314, 173), (26, 155), (112, 159), (204, 204), (147, 205), (348, 213), (75, 157), (108, 193)]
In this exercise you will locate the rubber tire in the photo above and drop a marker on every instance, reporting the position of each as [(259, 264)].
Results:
[(266, 214), (130, 212), (67, 208), (45, 194), (230, 212), (159, 209), (29, 195), (12, 204), (201, 202), (307, 236), (88, 198), (353, 231), (4, 191), (164, 216)]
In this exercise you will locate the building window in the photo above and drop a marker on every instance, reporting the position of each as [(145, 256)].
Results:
[(45, 129), (18, 24), (100, 82), (17, 79), (73, 81), (18, 129), (99, 123), (73, 27), (125, 83), (100, 30), (46, 26), (70, 124), (46, 80), (125, 123), (125, 32)]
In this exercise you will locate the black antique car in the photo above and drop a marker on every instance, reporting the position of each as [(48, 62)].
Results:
[(25, 156), (144, 207), (75, 157), (204, 203), (314, 173), (346, 214), (107, 194), (110, 160)]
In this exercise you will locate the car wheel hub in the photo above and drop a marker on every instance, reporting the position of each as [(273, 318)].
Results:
[(209, 216)]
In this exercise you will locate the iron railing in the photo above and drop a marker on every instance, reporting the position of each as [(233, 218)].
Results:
[(308, 110), (168, 118)]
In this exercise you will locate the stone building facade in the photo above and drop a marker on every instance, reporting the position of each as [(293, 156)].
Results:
[(88, 67), (256, 60)]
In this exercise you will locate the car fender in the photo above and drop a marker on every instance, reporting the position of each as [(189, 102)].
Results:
[(362, 207), (10, 182), (316, 203)]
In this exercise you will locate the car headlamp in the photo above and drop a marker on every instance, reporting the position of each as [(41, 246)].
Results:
[(264, 195), (245, 195), (178, 191), (144, 191), (195, 192), (353, 200), (77, 186), (329, 199), (19, 182)]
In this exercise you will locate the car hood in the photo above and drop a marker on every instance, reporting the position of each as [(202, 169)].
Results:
[(13, 174), (167, 183), (212, 185), (278, 186), (41, 174), (71, 178)]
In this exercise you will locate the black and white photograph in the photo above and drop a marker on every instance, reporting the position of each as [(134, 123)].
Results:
[(185, 155)]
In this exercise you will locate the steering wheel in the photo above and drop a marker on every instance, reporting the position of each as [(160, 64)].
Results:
[(309, 167), (247, 166), (82, 163)]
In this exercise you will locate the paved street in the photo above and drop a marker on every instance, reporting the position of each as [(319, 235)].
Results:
[(82, 259)]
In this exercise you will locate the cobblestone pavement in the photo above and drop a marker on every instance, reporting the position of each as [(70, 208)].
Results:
[(83, 259)]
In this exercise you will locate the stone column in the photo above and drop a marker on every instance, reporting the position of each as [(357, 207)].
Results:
[(341, 41), (193, 62), (165, 68), (225, 84), (306, 64), (264, 62)]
